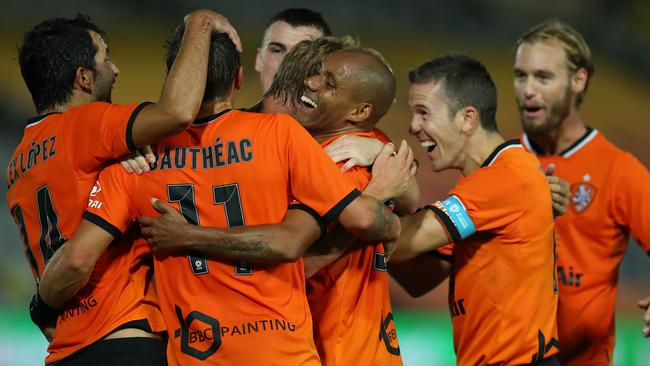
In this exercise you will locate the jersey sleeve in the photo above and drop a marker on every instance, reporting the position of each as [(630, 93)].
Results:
[(631, 204), (110, 205), (315, 180), (487, 200), (100, 132)]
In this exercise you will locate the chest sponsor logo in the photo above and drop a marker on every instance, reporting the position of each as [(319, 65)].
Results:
[(380, 262), (388, 334), (582, 194)]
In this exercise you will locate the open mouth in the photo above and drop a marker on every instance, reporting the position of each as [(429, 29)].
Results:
[(308, 102), (532, 108), (428, 145)]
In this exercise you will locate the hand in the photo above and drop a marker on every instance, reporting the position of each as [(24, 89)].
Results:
[(357, 150), (645, 305), (220, 24), (392, 172), (167, 233), (139, 161), (560, 191)]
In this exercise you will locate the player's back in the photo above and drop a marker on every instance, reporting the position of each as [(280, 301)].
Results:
[(507, 267), (609, 198), (228, 170), (349, 299), (49, 177)]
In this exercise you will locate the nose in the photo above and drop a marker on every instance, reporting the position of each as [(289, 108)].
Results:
[(313, 83), (529, 89), (414, 127), (115, 70)]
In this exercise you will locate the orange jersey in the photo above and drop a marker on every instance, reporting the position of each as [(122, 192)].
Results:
[(232, 169), (502, 292), (610, 200), (350, 302), (48, 179)]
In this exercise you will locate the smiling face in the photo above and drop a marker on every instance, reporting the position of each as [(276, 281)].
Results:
[(331, 96), (279, 38), (542, 86), (437, 132), (105, 71)]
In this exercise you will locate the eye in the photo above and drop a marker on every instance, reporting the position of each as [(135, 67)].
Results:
[(276, 50)]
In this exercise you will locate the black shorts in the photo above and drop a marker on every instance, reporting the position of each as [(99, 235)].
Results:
[(138, 351)]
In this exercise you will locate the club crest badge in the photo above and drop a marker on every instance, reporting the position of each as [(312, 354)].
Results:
[(582, 194)]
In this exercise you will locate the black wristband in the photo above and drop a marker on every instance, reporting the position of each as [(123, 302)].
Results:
[(40, 312)]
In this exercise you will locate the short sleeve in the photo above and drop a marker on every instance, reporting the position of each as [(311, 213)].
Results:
[(110, 205), (100, 132), (487, 200), (631, 204), (315, 180)]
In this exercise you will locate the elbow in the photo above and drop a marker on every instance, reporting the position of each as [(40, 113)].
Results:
[(184, 119), (79, 264), (291, 253)]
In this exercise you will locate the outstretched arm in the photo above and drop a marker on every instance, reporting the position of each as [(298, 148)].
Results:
[(287, 241)]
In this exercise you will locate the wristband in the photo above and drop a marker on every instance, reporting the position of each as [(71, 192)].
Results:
[(40, 312)]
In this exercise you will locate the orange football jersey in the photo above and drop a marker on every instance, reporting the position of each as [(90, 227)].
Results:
[(610, 201), (48, 179), (232, 169), (349, 299), (502, 291)]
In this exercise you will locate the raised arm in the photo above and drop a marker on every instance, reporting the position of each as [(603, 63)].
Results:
[(184, 87), (421, 233)]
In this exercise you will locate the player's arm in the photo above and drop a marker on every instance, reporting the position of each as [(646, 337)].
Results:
[(645, 306), (284, 242), (363, 151), (421, 232), (66, 273), (184, 87), (420, 274)]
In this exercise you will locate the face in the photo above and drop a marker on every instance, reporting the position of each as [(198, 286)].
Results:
[(279, 38), (437, 132), (542, 86), (105, 70), (329, 97)]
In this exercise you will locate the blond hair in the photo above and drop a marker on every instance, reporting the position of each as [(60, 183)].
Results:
[(578, 54)]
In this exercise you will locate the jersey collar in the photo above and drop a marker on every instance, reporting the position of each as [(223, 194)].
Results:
[(36, 120), (208, 119), (568, 152), (501, 148)]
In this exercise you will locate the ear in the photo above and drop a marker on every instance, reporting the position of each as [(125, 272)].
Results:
[(360, 113), (84, 79), (258, 60), (579, 80), (239, 78), (467, 120)]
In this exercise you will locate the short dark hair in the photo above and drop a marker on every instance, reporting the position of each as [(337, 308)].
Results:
[(302, 17), (465, 81), (50, 54), (223, 63)]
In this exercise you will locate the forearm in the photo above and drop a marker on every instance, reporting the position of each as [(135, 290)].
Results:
[(407, 203), (368, 219), (185, 84), (421, 233), (327, 250), (62, 279), (258, 244)]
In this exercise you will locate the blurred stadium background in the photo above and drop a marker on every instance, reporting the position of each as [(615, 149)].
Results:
[(407, 33)]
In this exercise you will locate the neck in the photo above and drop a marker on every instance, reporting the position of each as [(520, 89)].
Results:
[(270, 104), (218, 106), (561, 137), (322, 136), (478, 149), (77, 99)]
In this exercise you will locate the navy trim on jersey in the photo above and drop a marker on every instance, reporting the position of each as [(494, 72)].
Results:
[(110, 228), (313, 213), (446, 221), (129, 126), (204, 120), (38, 118), (336, 210), (498, 150), (445, 257), (535, 148)]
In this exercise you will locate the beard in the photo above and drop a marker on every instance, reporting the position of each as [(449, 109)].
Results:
[(103, 89), (557, 112)]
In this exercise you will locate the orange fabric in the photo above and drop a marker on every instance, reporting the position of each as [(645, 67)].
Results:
[(503, 299), (350, 302), (245, 170), (50, 174), (610, 200)]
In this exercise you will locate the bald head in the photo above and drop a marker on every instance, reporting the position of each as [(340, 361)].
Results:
[(373, 80)]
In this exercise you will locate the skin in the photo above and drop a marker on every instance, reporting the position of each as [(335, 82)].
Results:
[(279, 38)]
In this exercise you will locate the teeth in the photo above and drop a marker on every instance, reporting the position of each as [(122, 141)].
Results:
[(308, 101), (427, 143)]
